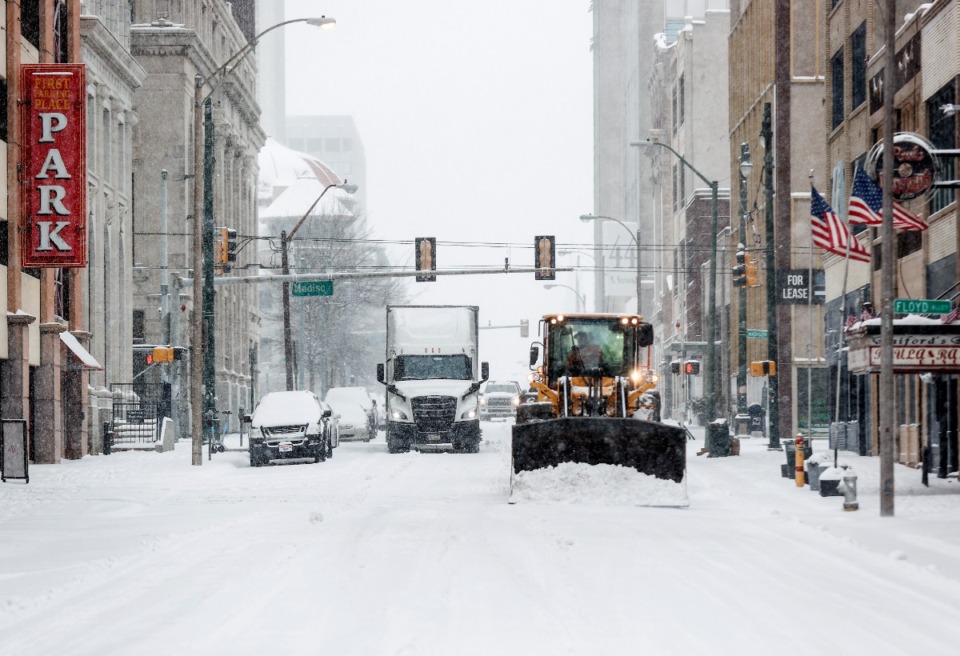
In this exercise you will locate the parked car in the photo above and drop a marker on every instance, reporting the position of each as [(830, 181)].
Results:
[(354, 423), (287, 425), (333, 429), (339, 397), (499, 398)]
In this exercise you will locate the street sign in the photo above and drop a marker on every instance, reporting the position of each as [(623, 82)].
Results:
[(921, 306), (756, 334), (313, 288)]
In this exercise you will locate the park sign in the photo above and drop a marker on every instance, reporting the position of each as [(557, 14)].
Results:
[(53, 231), (312, 288)]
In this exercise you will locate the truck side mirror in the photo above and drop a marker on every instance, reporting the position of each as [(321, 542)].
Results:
[(485, 370), (327, 413), (381, 375), (534, 355), (247, 419)]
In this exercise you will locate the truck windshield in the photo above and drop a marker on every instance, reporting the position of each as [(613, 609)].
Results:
[(432, 367)]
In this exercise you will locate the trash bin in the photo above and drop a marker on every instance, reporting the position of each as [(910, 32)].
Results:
[(830, 480), (757, 415), (816, 465), (791, 450), (718, 439)]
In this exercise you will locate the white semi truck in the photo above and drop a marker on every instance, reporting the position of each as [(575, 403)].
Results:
[(432, 377)]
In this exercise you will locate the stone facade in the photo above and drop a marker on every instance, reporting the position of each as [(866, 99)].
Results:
[(175, 42)]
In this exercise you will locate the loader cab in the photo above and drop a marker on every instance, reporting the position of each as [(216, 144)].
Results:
[(605, 343)]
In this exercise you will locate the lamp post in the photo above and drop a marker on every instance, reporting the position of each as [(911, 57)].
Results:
[(285, 239), (581, 302), (636, 243), (712, 371), (745, 167), (202, 377)]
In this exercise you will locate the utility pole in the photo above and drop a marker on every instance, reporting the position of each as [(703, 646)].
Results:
[(773, 417), (742, 419), (887, 415), (210, 345)]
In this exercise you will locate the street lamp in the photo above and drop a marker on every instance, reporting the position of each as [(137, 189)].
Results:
[(285, 239), (712, 371), (581, 300), (635, 237), (202, 364), (745, 167)]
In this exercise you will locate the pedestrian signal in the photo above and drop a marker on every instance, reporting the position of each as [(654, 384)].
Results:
[(675, 368), (691, 367), (163, 354), (544, 257), (763, 368), (425, 254)]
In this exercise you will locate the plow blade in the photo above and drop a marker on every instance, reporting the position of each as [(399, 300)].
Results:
[(649, 447)]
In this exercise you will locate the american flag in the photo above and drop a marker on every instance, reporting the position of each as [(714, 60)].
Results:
[(829, 232), (866, 206), (953, 316)]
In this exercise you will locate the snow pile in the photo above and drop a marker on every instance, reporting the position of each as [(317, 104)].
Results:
[(579, 483)]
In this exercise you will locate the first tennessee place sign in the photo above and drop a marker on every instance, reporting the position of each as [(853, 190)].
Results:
[(54, 173)]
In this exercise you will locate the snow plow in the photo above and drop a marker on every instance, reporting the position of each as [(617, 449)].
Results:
[(596, 400)]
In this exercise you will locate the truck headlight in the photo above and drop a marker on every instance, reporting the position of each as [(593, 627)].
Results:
[(469, 414), (483, 401), (515, 402), (398, 415)]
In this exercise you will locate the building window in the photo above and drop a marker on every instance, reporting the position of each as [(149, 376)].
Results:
[(836, 67), (674, 115), (680, 103), (30, 22), (331, 145), (675, 187), (139, 326), (908, 241), (943, 131), (858, 65)]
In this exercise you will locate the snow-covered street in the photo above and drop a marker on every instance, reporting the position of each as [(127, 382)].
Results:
[(420, 554)]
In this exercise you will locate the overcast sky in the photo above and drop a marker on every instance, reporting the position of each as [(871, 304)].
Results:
[(477, 123)]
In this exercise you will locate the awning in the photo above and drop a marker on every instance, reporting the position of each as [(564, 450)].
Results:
[(86, 360)]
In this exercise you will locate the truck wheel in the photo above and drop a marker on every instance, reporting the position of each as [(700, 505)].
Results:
[(396, 446), (329, 448)]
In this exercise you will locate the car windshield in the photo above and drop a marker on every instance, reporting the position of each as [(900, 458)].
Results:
[(502, 388), (432, 367)]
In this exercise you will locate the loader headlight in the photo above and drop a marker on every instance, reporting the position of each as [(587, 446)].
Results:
[(636, 376)]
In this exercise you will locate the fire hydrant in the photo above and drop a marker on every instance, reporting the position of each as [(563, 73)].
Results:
[(848, 486), (798, 471)]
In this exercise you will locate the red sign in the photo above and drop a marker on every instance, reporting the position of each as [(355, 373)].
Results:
[(54, 173)]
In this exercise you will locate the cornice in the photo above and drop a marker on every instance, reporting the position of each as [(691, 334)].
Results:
[(95, 36)]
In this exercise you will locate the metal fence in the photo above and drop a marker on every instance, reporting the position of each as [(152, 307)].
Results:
[(138, 412)]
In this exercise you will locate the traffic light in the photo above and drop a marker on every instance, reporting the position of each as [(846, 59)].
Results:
[(162, 354), (231, 245), (751, 274), (763, 368), (740, 271), (425, 254), (544, 257), (524, 328), (220, 247), (675, 368), (691, 367)]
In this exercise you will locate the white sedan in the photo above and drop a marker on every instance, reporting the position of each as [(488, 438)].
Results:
[(354, 423)]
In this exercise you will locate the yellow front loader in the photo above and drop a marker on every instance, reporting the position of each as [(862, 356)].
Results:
[(593, 385)]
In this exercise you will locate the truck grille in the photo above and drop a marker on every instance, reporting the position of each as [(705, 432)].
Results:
[(434, 414)]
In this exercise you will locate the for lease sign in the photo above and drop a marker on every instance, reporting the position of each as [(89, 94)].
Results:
[(54, 173)]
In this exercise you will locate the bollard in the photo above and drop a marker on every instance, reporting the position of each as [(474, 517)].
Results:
[(798, 470), (848, 486)]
